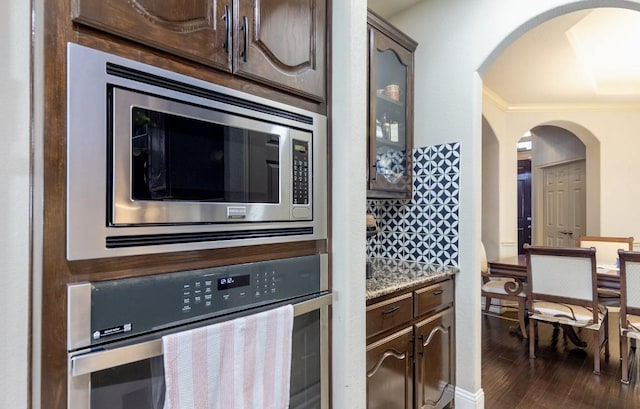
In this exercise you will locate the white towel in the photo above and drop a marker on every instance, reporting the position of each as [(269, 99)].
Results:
[(240, 364)]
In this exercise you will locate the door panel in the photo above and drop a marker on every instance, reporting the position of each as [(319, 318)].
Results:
[(195, 29), (524, 203), (282, 43), (389, 372), (435, 364), (564, 198)]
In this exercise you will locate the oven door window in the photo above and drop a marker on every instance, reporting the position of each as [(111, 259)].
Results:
[(140, 385), (186, 159)]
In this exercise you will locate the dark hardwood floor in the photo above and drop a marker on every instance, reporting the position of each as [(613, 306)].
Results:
[(561, 376)]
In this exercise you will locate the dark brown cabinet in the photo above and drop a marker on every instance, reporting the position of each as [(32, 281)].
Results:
[(390, 118), (411, 355), (390, 372), (275, 42), (434, 361)]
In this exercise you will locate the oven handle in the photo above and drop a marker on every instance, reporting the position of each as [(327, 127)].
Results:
[(98, 361)]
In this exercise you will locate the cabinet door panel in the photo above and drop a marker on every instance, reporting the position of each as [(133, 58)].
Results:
[(282, 42), (389, 372), (434, 387), (195, 29)]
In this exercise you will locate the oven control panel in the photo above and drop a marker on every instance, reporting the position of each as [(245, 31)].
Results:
[(232, 289), (126, 307)]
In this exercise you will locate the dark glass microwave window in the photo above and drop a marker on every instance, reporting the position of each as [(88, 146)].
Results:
[(186, 159)]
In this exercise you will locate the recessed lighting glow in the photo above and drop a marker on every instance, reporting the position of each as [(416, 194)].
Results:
[(606, 42)]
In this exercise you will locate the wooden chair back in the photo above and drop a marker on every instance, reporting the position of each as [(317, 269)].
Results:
[(629, 283), (606, 247), (562, 275)]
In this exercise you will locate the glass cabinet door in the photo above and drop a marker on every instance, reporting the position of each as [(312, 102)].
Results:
[(390, 117)]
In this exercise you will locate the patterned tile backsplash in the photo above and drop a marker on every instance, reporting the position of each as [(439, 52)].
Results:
[(425, 228)]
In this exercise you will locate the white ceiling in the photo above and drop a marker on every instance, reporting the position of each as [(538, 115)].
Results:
[(541, 67)]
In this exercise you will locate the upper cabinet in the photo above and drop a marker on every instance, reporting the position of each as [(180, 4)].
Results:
[(275, 42), (390, 119)]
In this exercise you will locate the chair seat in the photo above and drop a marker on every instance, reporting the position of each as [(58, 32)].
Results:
[(633, 327), (574, 315), (497, 286)]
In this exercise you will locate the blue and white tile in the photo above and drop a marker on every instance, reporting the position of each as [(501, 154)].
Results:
[(422, 161), (446, 250), (415, 218), (417, 247), (446, 158), (405, 245), (373, 207), (390, 245), (446, 188), (420, 189), (372, 246)]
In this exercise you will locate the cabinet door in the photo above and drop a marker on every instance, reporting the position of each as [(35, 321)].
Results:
[(389, 372), (196, 29), (434, 386), (390, 115), (282, 42)]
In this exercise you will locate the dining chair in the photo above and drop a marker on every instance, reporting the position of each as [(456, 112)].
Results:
[(502, 288), (562, 289), (606, 247), (607, 258), (629, 305)]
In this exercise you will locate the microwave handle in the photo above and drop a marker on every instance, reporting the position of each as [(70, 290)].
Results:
[(98, 361)]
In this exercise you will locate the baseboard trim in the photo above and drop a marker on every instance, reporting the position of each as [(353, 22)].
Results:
[(468, 400)]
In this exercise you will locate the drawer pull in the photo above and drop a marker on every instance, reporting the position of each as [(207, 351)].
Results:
[(437, 292), (390, 310)]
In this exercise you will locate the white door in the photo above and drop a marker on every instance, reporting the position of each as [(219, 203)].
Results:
[(564, 198)]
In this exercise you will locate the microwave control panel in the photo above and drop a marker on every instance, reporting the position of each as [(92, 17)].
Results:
[(126, 307), (300, 172)]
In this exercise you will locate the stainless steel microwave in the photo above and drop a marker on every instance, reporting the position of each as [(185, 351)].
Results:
[(158, 162)]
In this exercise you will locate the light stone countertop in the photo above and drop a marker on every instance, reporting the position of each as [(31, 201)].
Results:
[(390, 275)]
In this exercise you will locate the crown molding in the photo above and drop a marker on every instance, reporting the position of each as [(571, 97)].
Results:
[(505, 106)]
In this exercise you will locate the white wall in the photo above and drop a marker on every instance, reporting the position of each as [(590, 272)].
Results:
[(457, 39), (348, 156), (14, 208), (611, 136)]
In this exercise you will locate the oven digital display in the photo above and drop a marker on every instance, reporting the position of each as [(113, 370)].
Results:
[(226, 283)]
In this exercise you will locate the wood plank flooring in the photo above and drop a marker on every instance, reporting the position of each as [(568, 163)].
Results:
[(561, 376)]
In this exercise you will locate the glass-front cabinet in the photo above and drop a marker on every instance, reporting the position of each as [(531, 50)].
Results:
[(390, 127)]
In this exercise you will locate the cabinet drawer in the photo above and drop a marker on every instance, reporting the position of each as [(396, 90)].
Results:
[(433, 297), (388, 314)]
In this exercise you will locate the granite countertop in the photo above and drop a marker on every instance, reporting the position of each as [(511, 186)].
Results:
[(390, 275)]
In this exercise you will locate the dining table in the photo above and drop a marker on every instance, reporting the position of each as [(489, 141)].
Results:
[(515, 267)]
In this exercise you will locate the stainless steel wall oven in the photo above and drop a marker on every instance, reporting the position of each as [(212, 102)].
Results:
[(115, 328), (158, 161)]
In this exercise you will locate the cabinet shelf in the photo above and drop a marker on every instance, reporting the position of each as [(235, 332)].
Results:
[(390, 145), (386, 100)]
